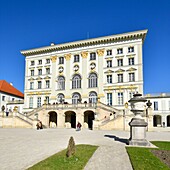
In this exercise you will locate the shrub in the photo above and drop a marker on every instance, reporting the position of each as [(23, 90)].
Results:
[(71, 149)]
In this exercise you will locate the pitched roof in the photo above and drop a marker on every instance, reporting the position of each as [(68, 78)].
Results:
[(8, 88)]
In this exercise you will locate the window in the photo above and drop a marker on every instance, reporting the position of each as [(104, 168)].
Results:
[(39, 71), (47, 70), (131, 61), (76, 98), (120, 98), (93, 97), (109, 52), (76, 82), (109, 78), (61, 60), (120, 62), (31, 102), (32, 63), (47, 99), (109, 99), (131, 95), (120, 78), (13, 99), (47, 84), (131, 76), (39, 62), (39, 102), (92, 56), (3, 98), (92, 80), (155, 105), (31, 85), (47, 61), (109, 63), (39, 84), (32, 72), (120, 51), (61, 83), (76, 58), (130, 49), (60, 98)]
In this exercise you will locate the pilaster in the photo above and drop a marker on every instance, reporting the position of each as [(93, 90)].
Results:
[(54, 76)]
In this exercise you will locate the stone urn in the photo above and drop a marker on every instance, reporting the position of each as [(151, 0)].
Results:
[(138, 124)]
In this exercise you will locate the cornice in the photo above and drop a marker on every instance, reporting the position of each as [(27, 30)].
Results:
[(89, 42)]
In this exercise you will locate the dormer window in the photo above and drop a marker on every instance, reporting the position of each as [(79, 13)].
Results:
[(76, 58), (61, 60), (109, 52), (92, 56), (130, 49), (39, 62), (120, 51), (47, 61), (32, 63)]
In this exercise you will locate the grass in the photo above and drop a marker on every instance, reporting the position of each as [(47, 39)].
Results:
[(143, 159), (59, 161)]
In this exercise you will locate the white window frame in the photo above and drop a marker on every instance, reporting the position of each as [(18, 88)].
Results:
[(131, 61), (31, 102), (92, 80), (39, 84), (109, 79), (92, 97), (31, 85), (120, 78), (120, 98), (131, 77), (76, 82), (47, 84), (120, 62), (61, 83), (75, 98), (109, 63), (109, 99), (38, 102)]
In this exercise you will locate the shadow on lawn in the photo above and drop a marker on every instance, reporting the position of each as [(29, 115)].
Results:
[(122, 140)]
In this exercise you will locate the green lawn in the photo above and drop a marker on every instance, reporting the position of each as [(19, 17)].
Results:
[(143, 159), (59, 161)]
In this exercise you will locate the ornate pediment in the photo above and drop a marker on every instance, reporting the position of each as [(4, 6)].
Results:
[(109, 71), (39, 78), (31, 79), (120, 71), (47, 77), (131, 69)]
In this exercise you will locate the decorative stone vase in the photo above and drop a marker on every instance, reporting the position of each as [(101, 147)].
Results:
[(137, 124)]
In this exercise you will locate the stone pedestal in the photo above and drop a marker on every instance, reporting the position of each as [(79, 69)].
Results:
[(138, 132)]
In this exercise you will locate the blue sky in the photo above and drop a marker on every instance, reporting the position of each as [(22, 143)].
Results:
[(35, 23)]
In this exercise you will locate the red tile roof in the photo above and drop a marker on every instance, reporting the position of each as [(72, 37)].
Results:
[(8, 88)]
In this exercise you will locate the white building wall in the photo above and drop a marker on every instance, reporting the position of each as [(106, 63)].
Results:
[(84, 69)]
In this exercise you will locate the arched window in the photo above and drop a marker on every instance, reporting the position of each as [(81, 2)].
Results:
[(92, 80), (61, 83), (93, 97), (76, 81), (60, 98), (76, 98)]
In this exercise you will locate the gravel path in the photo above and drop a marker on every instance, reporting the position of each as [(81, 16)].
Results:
[(21, 148)]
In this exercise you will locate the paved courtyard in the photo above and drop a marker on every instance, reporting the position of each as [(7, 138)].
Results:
[(21, 148)]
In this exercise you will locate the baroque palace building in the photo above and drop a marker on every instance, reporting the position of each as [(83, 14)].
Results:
[(108, 69), (88, 81)]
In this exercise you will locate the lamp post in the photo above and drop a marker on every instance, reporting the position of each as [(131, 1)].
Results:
[(137, 124)]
